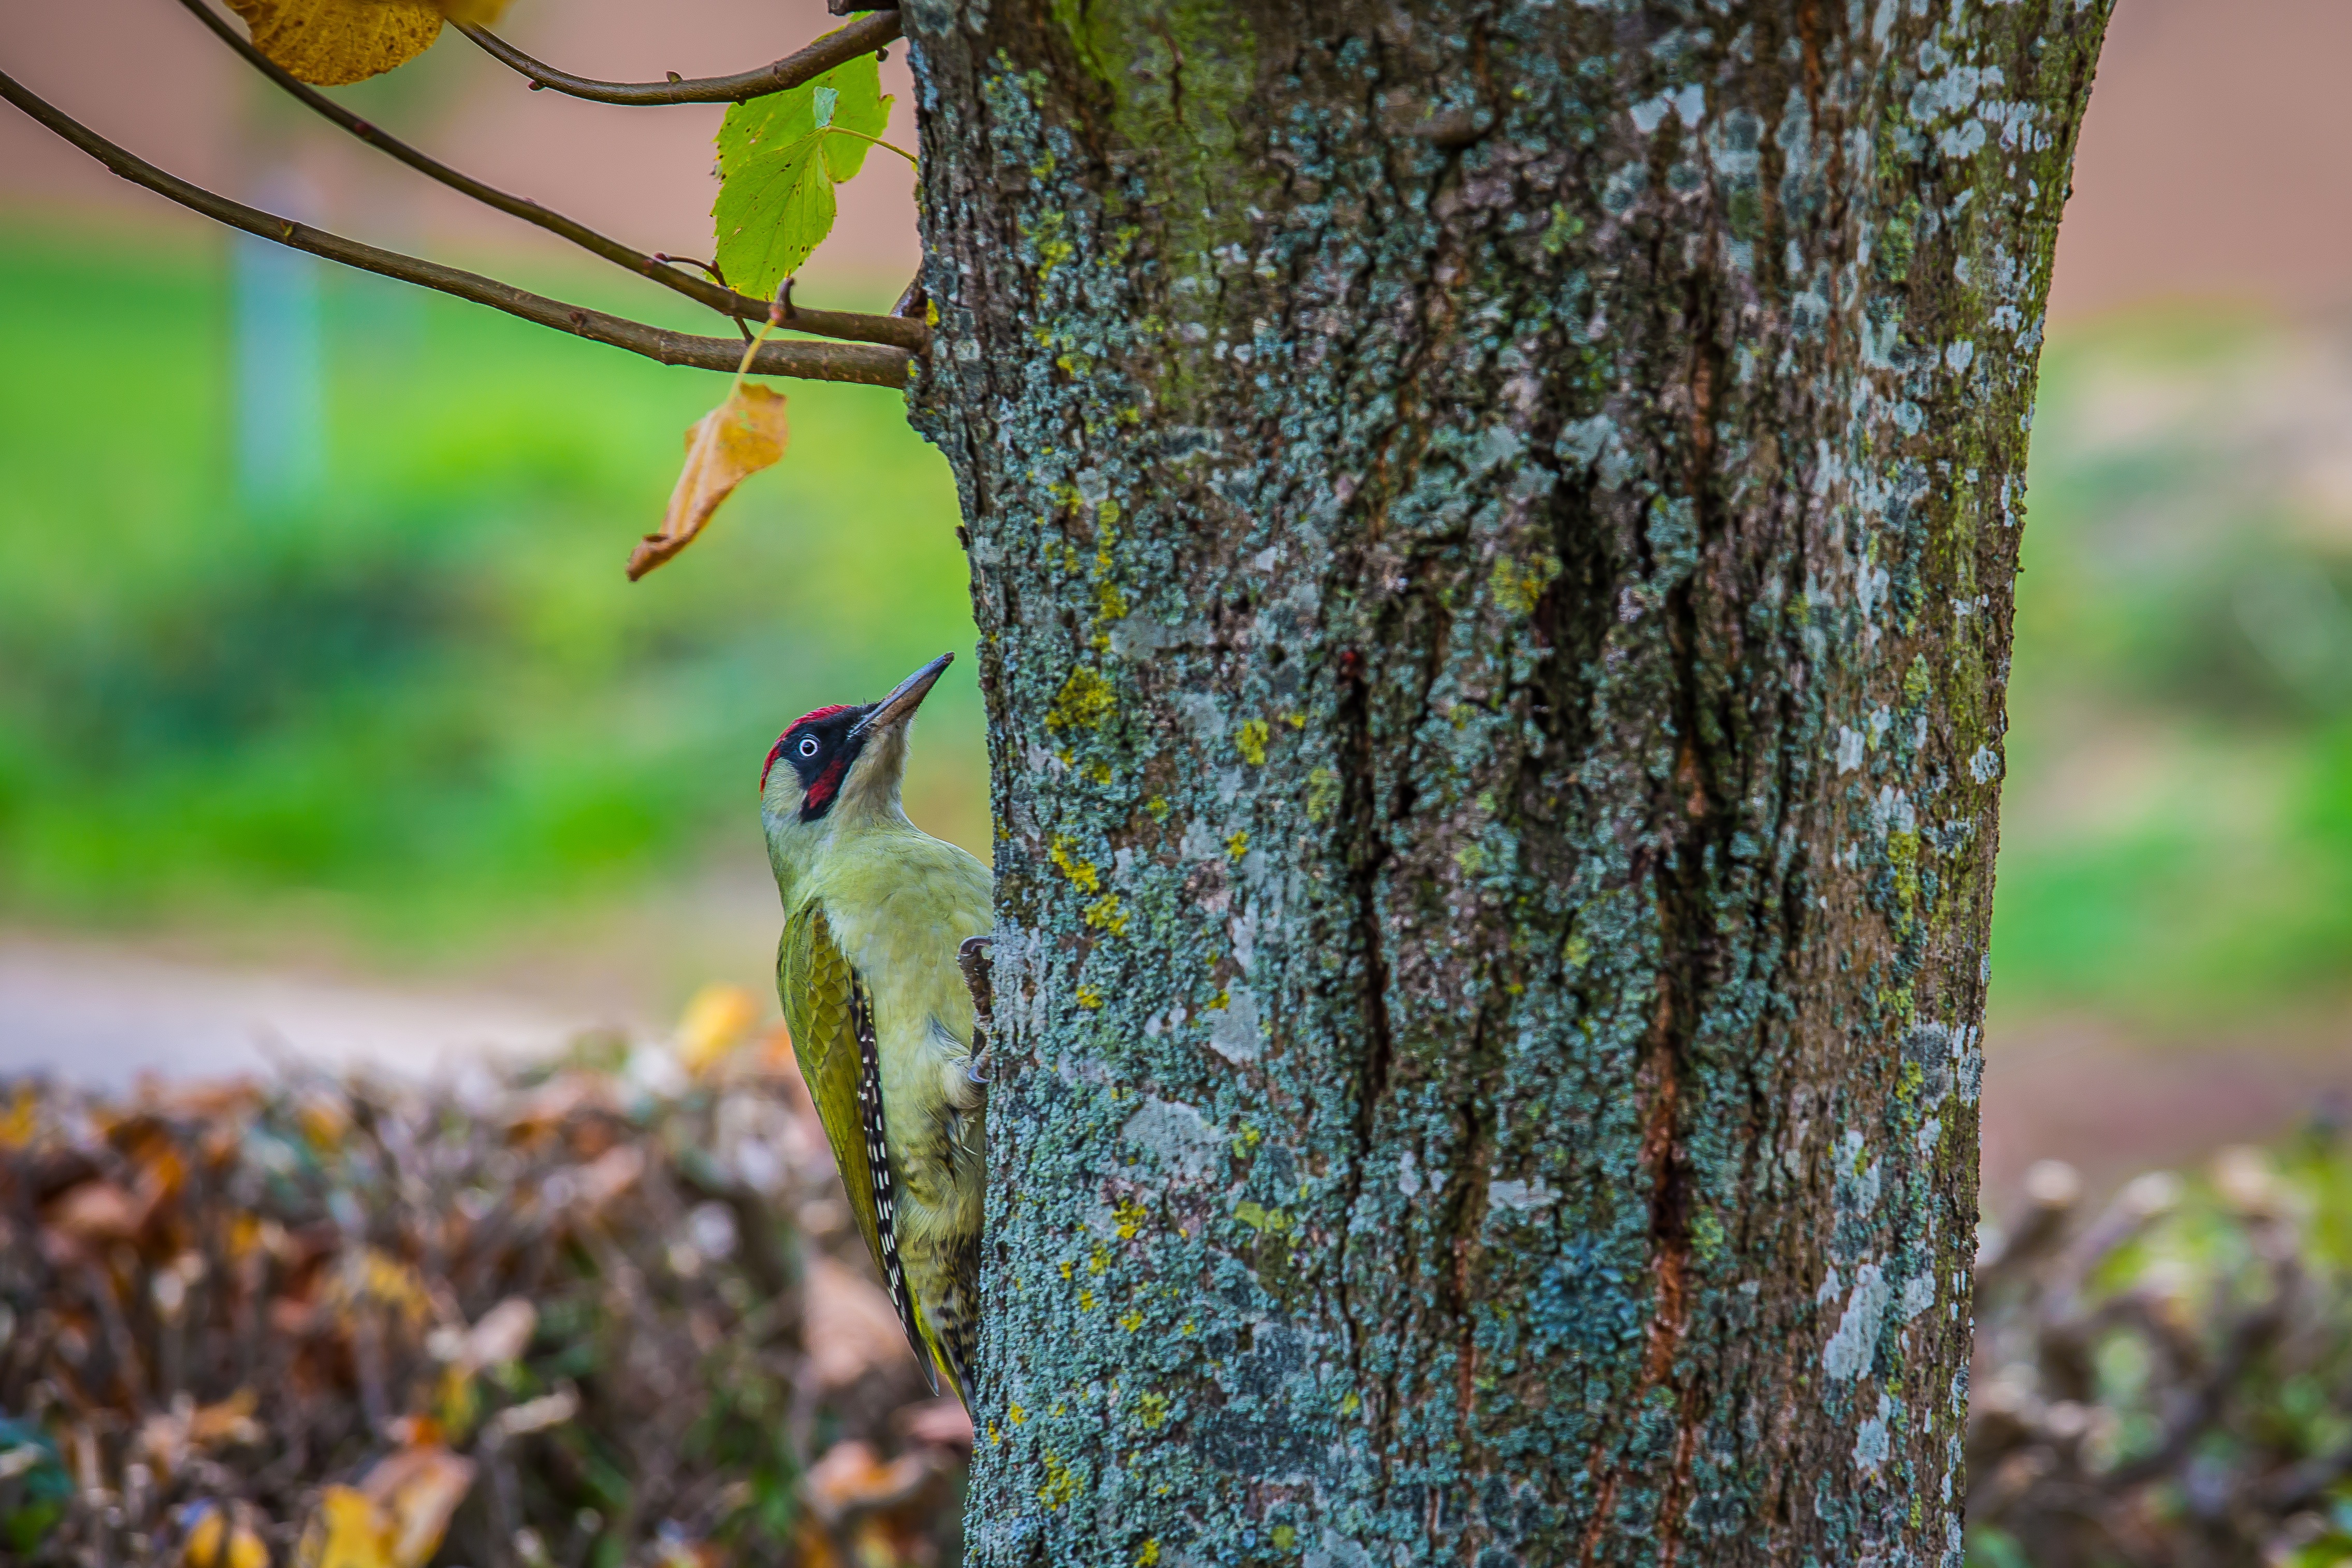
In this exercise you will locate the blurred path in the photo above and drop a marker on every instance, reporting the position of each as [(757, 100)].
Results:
[(102, 1016), (2107, 1099), (2113, 1102)]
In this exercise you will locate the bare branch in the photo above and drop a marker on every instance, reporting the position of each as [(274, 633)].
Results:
[(862, 37), (873, 364), (852, 327)]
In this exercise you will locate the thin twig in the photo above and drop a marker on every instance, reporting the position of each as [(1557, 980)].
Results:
[(849, 326), (862, 37), (872, 364)]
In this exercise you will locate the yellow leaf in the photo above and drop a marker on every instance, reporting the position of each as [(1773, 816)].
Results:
[(736, 440), (328, 43), (202, 1546), (393, 1519), (480, 13), (348, 1532), (716, 1022), (215, 1541), (416, 1491), (247, 1549)]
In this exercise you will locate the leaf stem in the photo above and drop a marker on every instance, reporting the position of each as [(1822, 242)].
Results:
[(845, 131)]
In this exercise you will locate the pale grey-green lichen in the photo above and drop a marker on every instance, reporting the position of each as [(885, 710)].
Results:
[(1496, 796)]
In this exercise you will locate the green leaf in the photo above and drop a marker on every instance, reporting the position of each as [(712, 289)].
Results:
[(778, 159)]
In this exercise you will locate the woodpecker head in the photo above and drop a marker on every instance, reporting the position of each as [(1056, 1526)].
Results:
[(840, 766)]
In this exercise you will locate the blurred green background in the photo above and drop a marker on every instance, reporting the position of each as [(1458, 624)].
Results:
[(422, 719)]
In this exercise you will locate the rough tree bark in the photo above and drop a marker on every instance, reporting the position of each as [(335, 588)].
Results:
[(1492, 528)]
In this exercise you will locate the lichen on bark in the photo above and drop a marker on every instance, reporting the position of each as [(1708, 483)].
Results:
[(1492, 529)]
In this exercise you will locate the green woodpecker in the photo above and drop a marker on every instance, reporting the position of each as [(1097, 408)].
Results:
[(877, 913)]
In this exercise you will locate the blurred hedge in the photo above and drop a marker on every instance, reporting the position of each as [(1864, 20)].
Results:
[(599, 1313), (611, 1311), (2167, 1381)]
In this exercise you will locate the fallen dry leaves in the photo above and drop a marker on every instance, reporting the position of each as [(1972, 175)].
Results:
[(725, 447), (603, 1309)]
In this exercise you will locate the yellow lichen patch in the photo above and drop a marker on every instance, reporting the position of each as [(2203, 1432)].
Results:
[(1916, 681), (1061, 1482), (1352, 1403), (1518, 585), (1150, 1555), (1131, 1321), (1081, 873), (1085, 1300), (1250, 742), (1128, 1216), (1106, 913), (1098, 1263), (1015, 1414), (1902, 856), (1085, 700), (1322, 795), (1260, 1218), (1151, 1410), (1159, 807), (1237, 845), (1089, 998), (1110, 604), (1285, 1538)]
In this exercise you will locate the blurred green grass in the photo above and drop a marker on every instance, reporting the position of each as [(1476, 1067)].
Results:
[(2177, 823), (429, 712), (427, 716)]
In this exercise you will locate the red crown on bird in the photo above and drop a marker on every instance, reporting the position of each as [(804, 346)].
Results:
[(811, 717)]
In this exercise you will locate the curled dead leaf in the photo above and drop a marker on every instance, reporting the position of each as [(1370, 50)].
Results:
[(535, 1415), (97, 1210), (329, 43), (501, 1336), (733, 441), (852, 1477)]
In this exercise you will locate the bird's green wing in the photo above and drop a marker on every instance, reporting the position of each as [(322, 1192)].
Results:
[(828, 1009)]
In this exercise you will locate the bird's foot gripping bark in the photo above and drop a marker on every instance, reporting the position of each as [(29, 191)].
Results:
[(971, 957)]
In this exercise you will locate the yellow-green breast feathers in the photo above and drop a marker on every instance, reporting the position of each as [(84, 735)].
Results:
[(882, 1023)]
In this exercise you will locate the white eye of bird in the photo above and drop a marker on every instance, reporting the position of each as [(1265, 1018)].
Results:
[(808, 745)]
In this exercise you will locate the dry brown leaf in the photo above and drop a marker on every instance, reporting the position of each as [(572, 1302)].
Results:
[(98, 1211), (852, 1327), (328, 43), (501, 1336), (851, 1475), (736, 440)]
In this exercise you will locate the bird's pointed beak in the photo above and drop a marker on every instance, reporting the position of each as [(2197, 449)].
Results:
[(901, 703)]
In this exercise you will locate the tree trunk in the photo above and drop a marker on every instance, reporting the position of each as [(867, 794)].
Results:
[(1492, 529)]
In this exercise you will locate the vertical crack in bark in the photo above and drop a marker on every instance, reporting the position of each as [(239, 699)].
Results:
[(1710, 754), (1358, 810)]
